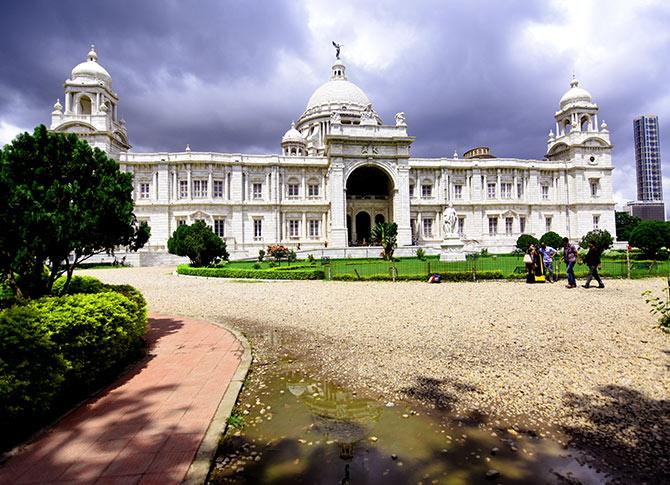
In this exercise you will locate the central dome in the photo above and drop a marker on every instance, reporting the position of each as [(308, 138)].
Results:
[(338, 91)]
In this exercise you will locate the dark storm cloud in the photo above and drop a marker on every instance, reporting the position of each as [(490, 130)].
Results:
[(230, 76)]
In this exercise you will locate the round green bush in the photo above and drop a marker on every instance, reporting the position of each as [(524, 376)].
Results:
[(78, 284), (524, 241)]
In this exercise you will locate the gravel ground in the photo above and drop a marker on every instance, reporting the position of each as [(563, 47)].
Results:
[(590, 362)]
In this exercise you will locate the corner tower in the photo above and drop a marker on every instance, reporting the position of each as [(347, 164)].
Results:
[(91, 108), (578, 136)]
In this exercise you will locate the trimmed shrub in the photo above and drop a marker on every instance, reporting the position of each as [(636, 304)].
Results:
[(78, 284), (446, 276), (421, 254), (552, 239), (267, 274), (32, 368), (95, 333), (601, 238), (198, 242)]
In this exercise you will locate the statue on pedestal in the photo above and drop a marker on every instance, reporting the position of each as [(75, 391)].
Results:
[(450, 220)]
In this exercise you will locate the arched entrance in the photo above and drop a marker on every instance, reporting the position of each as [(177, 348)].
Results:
[(363, 228), (369, 195)]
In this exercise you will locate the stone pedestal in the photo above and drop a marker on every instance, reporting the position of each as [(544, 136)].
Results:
[(452, 249)]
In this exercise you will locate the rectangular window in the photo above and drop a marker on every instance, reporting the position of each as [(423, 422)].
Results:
[(491, 191), (294, 228), (219, 227), (426, 191), (522, 225), (508, 225), (428, 227), (217, 189), (258, 229), (458, 191), (181, 222), (144, 190), (293, 191), (313, 191), (506, 191), (257, 190), (314, 228), (544, 191), (596, 222), (493, 226), (519, 190), (547, 224), (183, 189), (411, 190), (461, 226), (594, 188), (199, 189)]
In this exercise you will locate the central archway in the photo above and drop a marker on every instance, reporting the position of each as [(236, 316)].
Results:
[(369, 198)]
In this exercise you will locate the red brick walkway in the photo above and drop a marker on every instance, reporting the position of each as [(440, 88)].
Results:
[(149, 425)]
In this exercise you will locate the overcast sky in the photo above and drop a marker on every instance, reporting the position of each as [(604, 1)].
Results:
[(230, 76)]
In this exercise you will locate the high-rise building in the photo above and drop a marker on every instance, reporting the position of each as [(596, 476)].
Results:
[(649, 204)]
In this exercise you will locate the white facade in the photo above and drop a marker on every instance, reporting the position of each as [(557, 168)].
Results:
[(341, 170)]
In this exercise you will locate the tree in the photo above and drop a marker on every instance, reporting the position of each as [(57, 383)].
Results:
[(650, 236), (63, 202), (198, 242), (385, 234), (601, 238), (625, 223), (524, 241), (552, 239)]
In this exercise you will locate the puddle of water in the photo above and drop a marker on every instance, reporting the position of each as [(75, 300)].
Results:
[(302, 430)]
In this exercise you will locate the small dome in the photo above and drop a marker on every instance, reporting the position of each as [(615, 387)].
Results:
[(574, 95), (293, 135), (91, 70)]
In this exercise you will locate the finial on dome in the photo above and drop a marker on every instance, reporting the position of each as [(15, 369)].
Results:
[(58, 107), (188, 147), (455, 155), (551, 136), (603, 126), (92, 55), (574, 83)]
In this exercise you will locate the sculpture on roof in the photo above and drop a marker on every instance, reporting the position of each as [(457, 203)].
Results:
[(337, 49), (335, 118), (368, 116), (400, 119)]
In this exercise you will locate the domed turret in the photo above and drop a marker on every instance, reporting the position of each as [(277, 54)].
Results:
[(575, 95), (293, 143), (90, 70)]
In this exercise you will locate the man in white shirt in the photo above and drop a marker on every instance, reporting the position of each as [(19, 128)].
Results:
[(548, 254)]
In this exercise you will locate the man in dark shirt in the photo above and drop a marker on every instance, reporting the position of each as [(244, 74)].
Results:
[(592, 260)]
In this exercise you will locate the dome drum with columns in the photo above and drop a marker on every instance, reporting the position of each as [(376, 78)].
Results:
[(341, 170)]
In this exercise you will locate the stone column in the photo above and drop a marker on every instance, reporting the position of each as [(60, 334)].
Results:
[(189, 188), (401, 207), (210, 184), (338, 233)]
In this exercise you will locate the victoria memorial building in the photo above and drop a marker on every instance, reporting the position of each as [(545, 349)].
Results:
[(340, 170)]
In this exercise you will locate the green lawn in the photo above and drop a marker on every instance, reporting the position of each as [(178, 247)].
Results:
[(509, 265)]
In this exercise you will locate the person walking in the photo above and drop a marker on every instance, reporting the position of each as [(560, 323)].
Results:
[(571, 257), (592, 260), (548, 254)]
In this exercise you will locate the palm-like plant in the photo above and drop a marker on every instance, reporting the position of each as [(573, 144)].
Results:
[(386, 234)]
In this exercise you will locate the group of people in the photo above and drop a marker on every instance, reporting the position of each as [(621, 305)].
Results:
[(539, 263)]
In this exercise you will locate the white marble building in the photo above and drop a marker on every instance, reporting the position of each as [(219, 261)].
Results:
[(341, 169)]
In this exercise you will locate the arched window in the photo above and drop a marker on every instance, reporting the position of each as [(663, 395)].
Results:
[(584, 123), (566, 126), (84, 105)]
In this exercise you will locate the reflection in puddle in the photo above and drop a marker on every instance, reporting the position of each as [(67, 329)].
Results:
[(300, 430)]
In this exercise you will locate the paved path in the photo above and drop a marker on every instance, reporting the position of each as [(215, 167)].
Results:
[(148, 427)]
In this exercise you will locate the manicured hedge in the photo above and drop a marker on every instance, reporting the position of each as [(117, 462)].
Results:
[(265, 274), (55, 350), (446, 276)]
